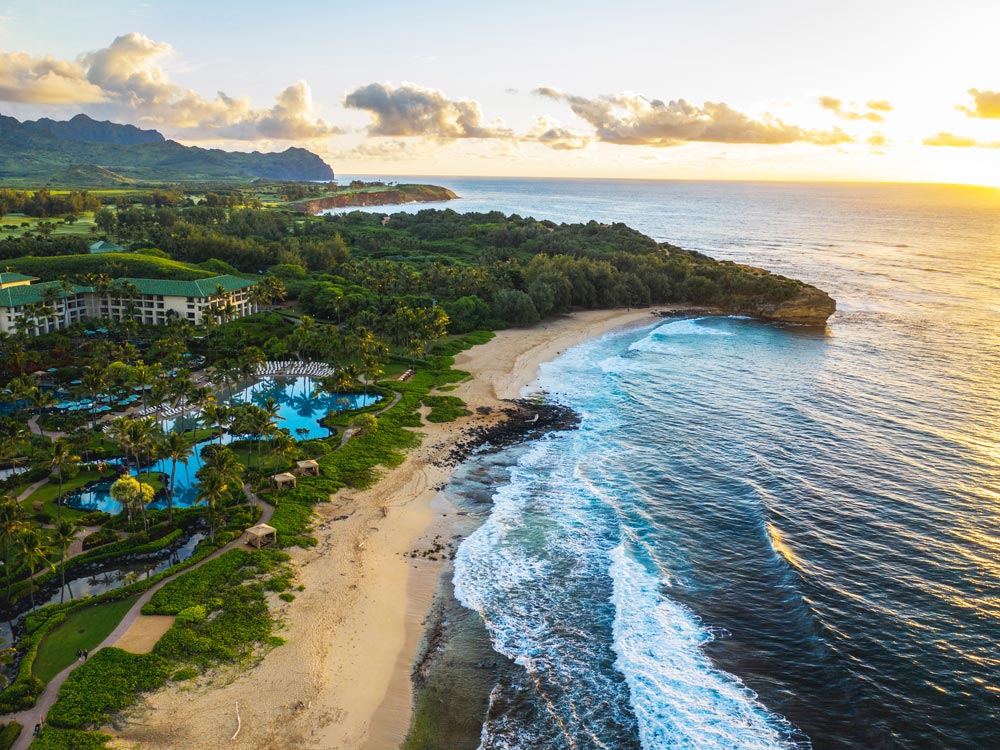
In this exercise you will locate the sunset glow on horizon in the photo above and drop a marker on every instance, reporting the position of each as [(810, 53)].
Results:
[(639, 90)]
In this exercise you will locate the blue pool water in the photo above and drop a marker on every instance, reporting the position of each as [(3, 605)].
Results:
[(299, 411)]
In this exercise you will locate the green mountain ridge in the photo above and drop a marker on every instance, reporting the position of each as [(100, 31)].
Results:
[(97, 152)]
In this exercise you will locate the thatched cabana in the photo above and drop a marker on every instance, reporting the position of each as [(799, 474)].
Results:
[(260, 535), (307, 468), (283, 481)]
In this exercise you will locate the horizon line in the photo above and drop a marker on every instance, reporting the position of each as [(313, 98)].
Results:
[(801, 181)]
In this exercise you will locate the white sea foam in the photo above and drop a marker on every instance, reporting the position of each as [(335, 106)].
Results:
[(680, 699), (655, 341)]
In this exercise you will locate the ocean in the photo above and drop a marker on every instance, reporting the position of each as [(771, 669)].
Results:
[(760, 536)]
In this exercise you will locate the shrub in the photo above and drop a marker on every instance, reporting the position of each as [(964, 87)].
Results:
[(9, 734), (104, 536), (445, 408), (54, 738), (192, 615), (187, 673), (105, 684)]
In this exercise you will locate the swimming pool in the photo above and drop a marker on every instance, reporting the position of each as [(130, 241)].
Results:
[(299, 411)]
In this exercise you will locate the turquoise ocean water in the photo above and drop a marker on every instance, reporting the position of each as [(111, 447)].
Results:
[(761, 536)]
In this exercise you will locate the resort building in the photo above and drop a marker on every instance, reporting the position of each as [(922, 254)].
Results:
[(38, 308)]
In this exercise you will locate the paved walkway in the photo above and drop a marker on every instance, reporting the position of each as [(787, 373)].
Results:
[(33, 427), (28, 492), (30, 717)]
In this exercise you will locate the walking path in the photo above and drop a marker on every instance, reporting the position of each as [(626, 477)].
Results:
[(28, 492), (33, 427), (30, 717)]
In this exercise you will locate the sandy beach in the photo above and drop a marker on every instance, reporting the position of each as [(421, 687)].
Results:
[(342, 679)]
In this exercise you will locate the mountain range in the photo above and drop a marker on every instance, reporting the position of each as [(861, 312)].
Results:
[(87, 152)]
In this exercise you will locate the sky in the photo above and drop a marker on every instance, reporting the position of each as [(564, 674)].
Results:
[(881, 90)]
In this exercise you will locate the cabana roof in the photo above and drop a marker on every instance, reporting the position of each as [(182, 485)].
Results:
[(307, 464), (284, 477), (260, 535), (261, 529)]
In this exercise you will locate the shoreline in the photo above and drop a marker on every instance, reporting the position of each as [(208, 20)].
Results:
[(343, 677)]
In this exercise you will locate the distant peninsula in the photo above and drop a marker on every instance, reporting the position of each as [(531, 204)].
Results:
[(90, 153), (374, 194)]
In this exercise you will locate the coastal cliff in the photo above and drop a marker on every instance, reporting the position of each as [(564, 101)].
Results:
[(394, 195), (810, 306)]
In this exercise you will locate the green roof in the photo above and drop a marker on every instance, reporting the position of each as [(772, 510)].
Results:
[(10, 278), (16, 296), (102, 246), (197, 288)]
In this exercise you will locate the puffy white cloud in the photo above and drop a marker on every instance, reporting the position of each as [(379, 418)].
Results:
[(634, 120), (128, 78), (45, 80), (985, 104), (837, 107), (410, 110)]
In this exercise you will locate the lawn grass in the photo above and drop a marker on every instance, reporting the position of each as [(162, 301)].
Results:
[(47, 493), (83, 629)]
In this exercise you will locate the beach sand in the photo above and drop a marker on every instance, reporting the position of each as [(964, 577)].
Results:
[(342, 679)]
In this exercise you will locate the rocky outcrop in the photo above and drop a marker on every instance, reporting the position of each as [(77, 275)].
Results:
[(388, 197), (811, 306)]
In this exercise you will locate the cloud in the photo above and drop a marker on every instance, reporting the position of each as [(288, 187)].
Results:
[(985, 104), (410, 110), (45, 80), (837, 107), (553, 135), (633, 120), (127, 79), (382, 149), (958, 141), (877, 139)]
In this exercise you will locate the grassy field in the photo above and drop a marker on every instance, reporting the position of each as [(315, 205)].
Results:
[(122, 264), (84, 629), (24, 224)]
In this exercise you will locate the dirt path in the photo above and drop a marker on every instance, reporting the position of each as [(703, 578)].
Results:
[(30, 717)]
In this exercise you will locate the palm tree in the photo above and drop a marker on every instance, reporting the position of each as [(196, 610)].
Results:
[(179, 451), (11, 525), (215, 414), (212, 489), (94, 382), (63, 461), (35, 551), (219, 474), (143, 376), (65, 534)]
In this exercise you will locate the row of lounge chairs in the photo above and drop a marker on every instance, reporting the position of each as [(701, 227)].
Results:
[(292, 367)]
